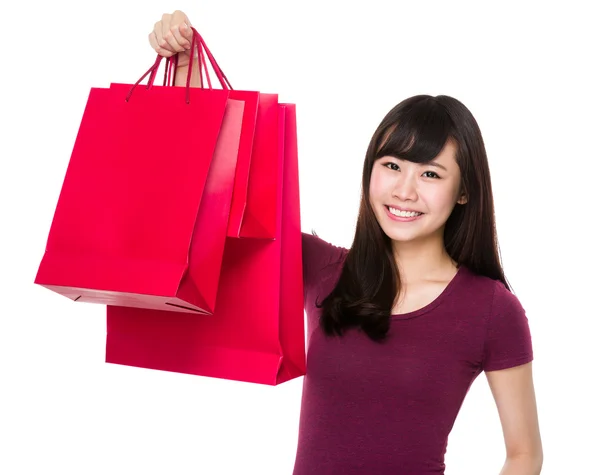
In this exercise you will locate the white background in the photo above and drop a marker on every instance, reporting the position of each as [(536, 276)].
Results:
[(527, 71)]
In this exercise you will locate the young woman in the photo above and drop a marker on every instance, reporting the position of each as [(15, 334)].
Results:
[(403, 322)]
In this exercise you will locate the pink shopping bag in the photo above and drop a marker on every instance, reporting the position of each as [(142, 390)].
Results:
[(142, 216)]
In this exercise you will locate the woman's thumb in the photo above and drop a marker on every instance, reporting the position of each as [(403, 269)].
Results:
[(186, 31)]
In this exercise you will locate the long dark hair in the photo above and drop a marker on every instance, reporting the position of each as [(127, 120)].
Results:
[(416, 130)]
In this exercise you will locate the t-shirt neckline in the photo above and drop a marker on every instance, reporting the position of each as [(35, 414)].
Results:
[(435, 302)]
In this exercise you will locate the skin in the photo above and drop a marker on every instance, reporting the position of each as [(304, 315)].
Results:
[(424, 265)]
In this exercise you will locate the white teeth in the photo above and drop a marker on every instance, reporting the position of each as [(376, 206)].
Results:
[(403, 214)]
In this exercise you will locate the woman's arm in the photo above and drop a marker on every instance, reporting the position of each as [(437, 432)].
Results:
[(514, 395)]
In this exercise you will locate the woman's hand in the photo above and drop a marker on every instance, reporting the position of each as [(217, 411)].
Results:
[(173, 35)]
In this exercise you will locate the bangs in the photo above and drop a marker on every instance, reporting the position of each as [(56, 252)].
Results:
[(418, 134)]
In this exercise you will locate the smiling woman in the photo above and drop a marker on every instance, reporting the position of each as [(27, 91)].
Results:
[(402, 322)]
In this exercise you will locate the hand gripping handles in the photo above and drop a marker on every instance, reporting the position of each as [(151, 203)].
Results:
[(198, 47)]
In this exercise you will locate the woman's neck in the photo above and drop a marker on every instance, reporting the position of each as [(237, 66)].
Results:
[(425, 259)]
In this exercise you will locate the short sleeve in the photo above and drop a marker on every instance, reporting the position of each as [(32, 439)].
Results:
[(321, 265), (508, 338), (318, 256)]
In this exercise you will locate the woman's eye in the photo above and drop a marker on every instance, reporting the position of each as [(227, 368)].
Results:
[(392, 166), (431, 175)]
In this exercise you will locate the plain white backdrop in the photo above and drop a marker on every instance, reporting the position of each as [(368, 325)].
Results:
[(527, 70)]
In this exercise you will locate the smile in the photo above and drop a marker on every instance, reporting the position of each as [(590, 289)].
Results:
[(402, 215)]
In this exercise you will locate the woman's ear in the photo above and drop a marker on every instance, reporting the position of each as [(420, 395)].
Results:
[(462, 199)]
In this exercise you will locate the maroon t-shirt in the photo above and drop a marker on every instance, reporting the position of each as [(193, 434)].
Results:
[(388, 408)]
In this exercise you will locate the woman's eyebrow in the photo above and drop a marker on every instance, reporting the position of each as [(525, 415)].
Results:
[(431, 163), (435, 164)]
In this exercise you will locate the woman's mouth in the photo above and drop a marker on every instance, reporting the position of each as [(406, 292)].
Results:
[(402, 215)]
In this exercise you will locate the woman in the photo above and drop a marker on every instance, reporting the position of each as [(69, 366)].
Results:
[(403, 322)]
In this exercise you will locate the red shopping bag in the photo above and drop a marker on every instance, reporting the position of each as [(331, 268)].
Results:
[(253, 212), (257, 331), (142, 215)]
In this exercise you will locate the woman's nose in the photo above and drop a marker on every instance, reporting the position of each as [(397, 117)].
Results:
[(405, 189)]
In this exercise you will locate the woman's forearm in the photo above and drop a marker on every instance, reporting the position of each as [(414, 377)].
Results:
[(182, 70)]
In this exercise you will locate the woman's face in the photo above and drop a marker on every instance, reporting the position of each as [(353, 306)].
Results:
[(413, 201)]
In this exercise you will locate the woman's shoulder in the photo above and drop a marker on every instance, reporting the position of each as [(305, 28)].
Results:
[(493, 291), (508, 340)]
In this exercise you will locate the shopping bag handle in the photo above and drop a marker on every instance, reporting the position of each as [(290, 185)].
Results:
[(225, 84), (195, 46), (171, 67), (198, 45), (217, 69)]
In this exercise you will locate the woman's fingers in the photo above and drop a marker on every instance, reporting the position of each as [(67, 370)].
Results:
[(180, 32), (154, 42), (172, 34), (169, 40)]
